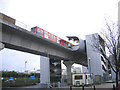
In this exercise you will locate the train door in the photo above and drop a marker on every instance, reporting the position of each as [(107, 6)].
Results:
[(58, 40), (46, 34)]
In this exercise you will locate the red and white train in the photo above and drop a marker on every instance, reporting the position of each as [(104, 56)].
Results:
[(43, 33)]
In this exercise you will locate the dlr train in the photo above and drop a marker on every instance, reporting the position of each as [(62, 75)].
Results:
[(43, 33)]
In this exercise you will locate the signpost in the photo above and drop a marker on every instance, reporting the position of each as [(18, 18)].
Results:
[(11, 78), (32, 77)]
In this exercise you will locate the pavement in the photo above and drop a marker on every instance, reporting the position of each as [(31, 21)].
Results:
[(104, 86)]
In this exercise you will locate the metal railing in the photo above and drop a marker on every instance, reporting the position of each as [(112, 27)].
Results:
[(17, 23), (23, 25)]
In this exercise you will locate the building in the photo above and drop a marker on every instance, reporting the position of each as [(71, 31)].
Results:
[(96, 62), (76, 69), (84, 69)]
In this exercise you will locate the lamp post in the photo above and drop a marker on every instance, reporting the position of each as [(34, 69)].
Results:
[(34, 72), (25, 71), (25, 65), (90, 71)]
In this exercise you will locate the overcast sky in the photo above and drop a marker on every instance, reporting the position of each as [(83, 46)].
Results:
[(60, 17), (13, 60)]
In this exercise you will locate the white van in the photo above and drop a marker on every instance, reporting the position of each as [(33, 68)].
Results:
[(79, 79)]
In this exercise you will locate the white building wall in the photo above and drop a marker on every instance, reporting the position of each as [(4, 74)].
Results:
[(77, 69), (44, 70), (84, 69)]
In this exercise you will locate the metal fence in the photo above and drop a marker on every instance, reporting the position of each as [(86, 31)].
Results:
[(23, 25)]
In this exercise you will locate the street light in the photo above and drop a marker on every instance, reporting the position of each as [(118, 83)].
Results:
[(34, 72), (25, 71), (90, 71), (25, 65)]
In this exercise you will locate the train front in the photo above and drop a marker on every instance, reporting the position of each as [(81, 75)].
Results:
[(78, 44)]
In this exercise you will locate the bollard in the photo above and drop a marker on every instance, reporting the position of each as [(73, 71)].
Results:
[(58, 84), (119, 86), (113, 87), (83, 86), (70, 87), (94, 87)]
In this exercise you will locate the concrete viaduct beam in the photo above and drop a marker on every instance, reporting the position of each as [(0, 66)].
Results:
[(14, 37)]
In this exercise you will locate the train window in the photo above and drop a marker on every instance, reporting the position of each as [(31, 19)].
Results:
[(66, 43), (79, 77), (55, 37), (69, 45), (58, 40), (46, 33), (38, 30), (41, 31), (62, 41), (49, 35), (33, 29)]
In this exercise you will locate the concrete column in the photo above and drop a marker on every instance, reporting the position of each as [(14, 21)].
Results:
[(55, 68), (1, 46), (68, 64), (44, 70)]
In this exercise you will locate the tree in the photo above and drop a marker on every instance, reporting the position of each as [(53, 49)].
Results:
[(109, 40)]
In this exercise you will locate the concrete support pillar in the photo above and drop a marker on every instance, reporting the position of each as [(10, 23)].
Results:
[(68, 64), (44, 70), (1, 46), (55, 69)]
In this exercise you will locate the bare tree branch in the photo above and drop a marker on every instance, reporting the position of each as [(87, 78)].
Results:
[(111, 43)]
